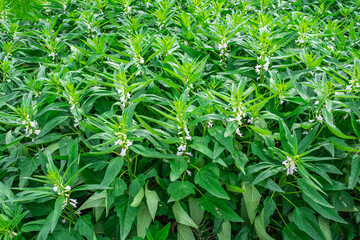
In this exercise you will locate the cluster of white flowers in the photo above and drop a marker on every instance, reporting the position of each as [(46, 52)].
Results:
[(127, 9), (140, 61), (30, 126), (222, 47), (12, 234), (185, 135), (123, 142), (52, 55), (352, 84), (64, 191), (290, 165), (76, 122), (72, 103), (124, 97), (265, 66), (300, 40)]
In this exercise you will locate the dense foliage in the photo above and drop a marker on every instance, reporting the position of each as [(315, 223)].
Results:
[(191, 119)]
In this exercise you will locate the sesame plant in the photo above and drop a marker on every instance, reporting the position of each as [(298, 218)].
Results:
[(184, 120)]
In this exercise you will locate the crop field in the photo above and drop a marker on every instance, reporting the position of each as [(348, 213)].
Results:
[(180, 120)]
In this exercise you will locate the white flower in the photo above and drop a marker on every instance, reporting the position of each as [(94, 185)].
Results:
[(78, 212), (290, 166), (73, 202), (123, 152), (55, 188), (319, 118), (348, 87), (76, 122), (250, 120), (33, 124), (185, 43), (179, 153), (37, 132), (188, 153), (257, 69), (316, 102), (63, 221), (128, 144), (118, 142), (188, 172), (210, 124), (181, 148), (72, 107), (281, 102), (141, 60), (238, 132), (67, 188), (305, 132), (23, 122), (311, 120)]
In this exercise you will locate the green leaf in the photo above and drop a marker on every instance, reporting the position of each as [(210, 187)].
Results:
[(195, 211), (324, 225), (179, 190), (181, 216), (85, 227), (328, 118), (218, 133), (208, 180), (96, 200), (126, 215), (232, 188), (218, 208), (57, 212), (267, 173), (260, 229), (252, 199), (178, 166), (355, 171), (225, 233), (137, 200), (261, 131), (312, 193), (152, 201), (291, 232), (51, 124), (112, 170), (143, 221), (184, 233), (306, 221), (326, 212)]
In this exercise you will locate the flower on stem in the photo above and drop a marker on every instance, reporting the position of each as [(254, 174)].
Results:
[(290, 166)]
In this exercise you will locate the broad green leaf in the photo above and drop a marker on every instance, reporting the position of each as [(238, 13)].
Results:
[(178, 166), (225, 233), (219, 208), (208, 180), (137, 200), (306, 221), (179, 190), (126, 215), (184, 232), (152, 201), (355, 171), (195, 211), (143, 221), (181, 216), (57, 212), (112, 170), (252, 199)]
